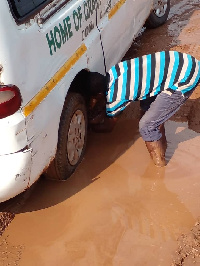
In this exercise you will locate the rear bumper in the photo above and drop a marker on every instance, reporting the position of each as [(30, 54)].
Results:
[(14, 173)]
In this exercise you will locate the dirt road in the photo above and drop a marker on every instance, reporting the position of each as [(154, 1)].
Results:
[(118, 209)]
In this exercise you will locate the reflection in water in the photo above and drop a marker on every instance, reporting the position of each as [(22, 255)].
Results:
[(152, 210), (164, 210)]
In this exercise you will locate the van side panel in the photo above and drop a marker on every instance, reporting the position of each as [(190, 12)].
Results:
[(114, 18), (39, 55)]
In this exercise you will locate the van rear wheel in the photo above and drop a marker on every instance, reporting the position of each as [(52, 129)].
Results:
[(72, 137), (159, 14)]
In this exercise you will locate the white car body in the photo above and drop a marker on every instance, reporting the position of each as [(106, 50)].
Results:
[(41, 56)]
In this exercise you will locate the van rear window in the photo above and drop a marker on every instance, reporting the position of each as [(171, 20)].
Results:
[(22, 8)]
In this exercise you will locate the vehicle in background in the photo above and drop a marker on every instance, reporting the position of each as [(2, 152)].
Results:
[(47, 48)]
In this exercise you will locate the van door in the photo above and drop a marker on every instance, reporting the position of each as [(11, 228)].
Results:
[(91, 36), (119, 22)]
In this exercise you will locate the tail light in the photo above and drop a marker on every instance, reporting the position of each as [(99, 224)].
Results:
[(10, 100)]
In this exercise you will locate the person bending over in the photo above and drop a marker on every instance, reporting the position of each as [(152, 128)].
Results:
[(162, 82)]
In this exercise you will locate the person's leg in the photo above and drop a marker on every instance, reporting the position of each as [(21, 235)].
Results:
[(146, 103), (163, 138), (150, 126), (144, 107)]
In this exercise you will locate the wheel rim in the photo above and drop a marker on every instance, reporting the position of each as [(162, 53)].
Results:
[(160, 7), (76, 137)]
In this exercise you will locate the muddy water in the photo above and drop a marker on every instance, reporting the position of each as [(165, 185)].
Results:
[(121, 211), (118, 208)]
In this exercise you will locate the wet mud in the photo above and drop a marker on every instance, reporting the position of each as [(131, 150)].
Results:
[(118, 208), (5, 219), (188, 252)]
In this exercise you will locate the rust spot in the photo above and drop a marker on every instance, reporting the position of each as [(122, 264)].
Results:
[(31, 117), (17, 133), (17, 176)]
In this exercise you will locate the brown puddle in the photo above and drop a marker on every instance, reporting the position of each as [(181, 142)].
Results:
[(118, 208), (115, 210)]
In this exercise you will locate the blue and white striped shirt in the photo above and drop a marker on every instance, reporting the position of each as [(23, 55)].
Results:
[(146, 76)]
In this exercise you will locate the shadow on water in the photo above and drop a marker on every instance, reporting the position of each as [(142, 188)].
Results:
[(102, 150), (160, 209)]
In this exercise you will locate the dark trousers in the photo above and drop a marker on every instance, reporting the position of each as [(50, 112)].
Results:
[(159, 110)]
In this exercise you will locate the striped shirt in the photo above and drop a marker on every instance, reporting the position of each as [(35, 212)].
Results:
[(146, 76)]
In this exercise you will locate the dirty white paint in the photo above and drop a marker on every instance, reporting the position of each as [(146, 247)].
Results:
[(13, 135), (15, 173), (42, 61)]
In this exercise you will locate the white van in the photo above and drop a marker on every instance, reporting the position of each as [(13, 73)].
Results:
[(47, 48)]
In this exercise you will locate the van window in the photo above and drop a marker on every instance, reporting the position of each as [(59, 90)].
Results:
[(22, 8)]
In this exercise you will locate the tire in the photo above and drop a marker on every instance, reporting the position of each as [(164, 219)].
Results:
[(72, 137), (159, 14)]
